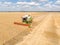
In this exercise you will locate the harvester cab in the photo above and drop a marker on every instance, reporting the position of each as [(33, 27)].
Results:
[(27, 19)]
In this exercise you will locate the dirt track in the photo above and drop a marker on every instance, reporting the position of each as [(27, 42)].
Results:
[(45, 29)]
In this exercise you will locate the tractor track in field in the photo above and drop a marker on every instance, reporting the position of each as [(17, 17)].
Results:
[(44, 34)]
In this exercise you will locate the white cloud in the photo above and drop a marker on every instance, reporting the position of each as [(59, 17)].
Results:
[(21, 3), (27, 6), (57, 2), (48, 6), (0, 2), (39, 0), (27, 3), (42, 0), (33, 3), (7, 3)]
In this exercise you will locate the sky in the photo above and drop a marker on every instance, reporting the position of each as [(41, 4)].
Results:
[(29, 5)]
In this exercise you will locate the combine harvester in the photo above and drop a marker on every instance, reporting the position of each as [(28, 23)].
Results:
[(26, 21)]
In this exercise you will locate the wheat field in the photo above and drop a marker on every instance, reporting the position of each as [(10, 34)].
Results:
[(45, 29)]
